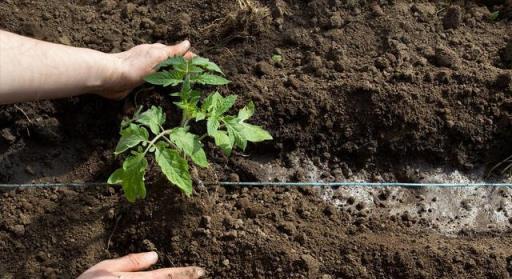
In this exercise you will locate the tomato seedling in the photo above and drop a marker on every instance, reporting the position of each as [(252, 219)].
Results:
[(145, 133)]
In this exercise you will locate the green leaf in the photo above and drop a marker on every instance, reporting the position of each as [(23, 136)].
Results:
[(225, 105), (236, 137), (206, 63), (494, 16), (174, 167), (209, 79), (190, 144), (131, 136), (153, 118), (276, 58), (211, 102), (175, 78), (165, 78), (241, 132), (212, 125), (217, 105), (131, 177), (253, 133), (172, 61), (223, 141), (195, 69), (246, 112), (200, 116)]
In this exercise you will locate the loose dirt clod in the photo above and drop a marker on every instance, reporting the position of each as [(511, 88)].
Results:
[(453, 17), (249, 19), (445, 57)]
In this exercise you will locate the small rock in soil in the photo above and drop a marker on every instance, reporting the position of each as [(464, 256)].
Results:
[(263, 68), (233, 177), (445, 57), (453, 17), (7, 135)]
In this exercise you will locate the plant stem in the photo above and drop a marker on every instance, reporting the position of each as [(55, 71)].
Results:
[(159, 136), (186, 80)]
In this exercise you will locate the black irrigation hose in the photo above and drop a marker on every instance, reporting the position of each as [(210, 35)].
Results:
[(282, 184)]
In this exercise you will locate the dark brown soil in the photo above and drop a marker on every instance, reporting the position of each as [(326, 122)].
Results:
[(362, 88)]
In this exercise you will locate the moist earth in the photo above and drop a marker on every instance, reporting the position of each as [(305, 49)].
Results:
[(364, 89)]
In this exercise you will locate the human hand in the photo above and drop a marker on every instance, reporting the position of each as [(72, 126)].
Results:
[(130, 67), (130, 266)]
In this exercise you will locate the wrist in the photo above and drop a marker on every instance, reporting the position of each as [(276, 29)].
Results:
[(109, 70)]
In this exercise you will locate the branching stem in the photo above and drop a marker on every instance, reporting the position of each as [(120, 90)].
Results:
[(159, 136)]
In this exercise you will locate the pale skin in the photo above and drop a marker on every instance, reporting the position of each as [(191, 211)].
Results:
[(32, 70), (129, 267)]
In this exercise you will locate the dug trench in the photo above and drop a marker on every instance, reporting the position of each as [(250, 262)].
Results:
[(376, 91)]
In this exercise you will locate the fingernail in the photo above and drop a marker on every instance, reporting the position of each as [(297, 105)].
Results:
[(185, 44), (200, 272), (151, 257)]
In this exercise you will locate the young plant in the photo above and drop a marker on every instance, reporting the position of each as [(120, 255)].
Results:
[(145, 133)]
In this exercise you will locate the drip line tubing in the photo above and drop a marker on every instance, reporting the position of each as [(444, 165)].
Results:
[(284, 184)]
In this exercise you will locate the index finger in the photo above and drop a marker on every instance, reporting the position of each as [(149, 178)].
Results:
[(179, 49), (192, 272)]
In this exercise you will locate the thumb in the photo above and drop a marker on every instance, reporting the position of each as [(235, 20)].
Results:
[(179, 49), (131, 262)]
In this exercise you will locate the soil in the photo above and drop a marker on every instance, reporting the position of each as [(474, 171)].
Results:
[(369, 90)]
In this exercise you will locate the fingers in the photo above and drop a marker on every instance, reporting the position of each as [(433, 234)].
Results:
[(131, 262), (168, 273), (179, 49), (189, 55)]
